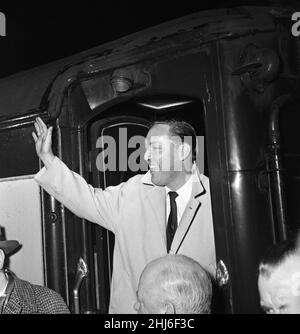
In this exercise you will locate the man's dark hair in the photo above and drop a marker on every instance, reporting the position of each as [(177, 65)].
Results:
[(183, 130), (277, 254)]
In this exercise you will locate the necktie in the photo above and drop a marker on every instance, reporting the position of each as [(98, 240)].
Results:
[(172, 220)]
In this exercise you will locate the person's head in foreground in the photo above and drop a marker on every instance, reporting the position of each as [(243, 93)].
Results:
[(174, 284), (279, 278)]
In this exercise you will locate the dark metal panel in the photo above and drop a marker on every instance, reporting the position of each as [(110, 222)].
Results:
[(54, 245), (251, 234), (17, 153), (216, 144), (25, 91), (76, 233), (290, 139), (246, 115)]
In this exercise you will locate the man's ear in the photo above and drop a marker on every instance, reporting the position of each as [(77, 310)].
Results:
[(2, 259), (169, 308), (184, 150)]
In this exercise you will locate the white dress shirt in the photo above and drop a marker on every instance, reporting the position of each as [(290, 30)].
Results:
[(184, 195)]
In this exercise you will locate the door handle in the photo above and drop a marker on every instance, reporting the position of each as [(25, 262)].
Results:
[(82, 272)]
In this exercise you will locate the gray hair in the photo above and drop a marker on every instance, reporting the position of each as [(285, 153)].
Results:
[(184, 283), (277, 254)]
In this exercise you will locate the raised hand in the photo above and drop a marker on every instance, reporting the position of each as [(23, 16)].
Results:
[(43, 141)]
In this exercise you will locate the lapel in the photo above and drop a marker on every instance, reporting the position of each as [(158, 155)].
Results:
[(190, 211), (156, 196), (12, 305)]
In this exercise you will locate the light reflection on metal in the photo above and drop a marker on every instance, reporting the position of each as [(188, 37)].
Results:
[(164, 105), (275, 163), (236, 184), (222, 275), (82, 272), (94, 105)]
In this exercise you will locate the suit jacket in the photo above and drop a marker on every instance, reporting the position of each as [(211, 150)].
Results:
[(135, 212), (27, 298)]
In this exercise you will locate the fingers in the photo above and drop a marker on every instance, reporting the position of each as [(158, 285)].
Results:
[(35, 138), (41, 128), (42, 125), (49, 133), (37, 128)]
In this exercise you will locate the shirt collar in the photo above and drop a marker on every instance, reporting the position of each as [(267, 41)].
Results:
[(196, 177), (185, 190)]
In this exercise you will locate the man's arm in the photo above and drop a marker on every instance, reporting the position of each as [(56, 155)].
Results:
[(69, 188)]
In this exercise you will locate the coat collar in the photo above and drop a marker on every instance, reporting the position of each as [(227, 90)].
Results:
[(156, 196), (12, 303), (198, 187)]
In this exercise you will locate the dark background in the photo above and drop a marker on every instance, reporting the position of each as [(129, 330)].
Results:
[(40, 32)]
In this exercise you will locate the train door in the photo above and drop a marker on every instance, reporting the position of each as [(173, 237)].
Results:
[(179, 85), (115, 144), (112, 135)]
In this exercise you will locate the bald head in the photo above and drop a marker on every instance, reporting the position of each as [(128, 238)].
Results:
[(174, 284)]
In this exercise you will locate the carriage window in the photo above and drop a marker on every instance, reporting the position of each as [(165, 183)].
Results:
[(20, 215)]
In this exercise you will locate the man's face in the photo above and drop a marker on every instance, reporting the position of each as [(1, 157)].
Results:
[(162, 155), (280, 293)]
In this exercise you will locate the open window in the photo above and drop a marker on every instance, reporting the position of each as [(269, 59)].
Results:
[(20, 215)]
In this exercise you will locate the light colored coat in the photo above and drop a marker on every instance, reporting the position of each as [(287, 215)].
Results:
[(135, 211)]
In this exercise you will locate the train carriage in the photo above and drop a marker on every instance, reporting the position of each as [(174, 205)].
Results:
[(232, 73)]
